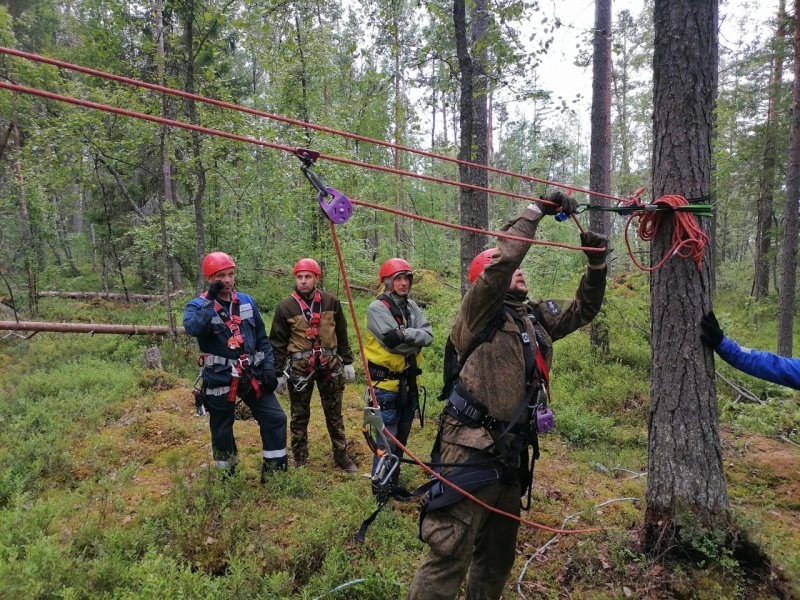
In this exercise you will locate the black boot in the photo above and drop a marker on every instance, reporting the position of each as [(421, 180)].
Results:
[(268, 467)]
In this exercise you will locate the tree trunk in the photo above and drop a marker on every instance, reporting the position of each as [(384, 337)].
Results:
[(400, 237), (789, 252), (766, 184), (474, 205), (199, 192), (686, 492), (600, 153), (26, 234), (166, 169), (315, 218)]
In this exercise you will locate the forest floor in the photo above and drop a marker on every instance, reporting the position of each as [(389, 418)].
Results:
[(159, 433), (107, 488)]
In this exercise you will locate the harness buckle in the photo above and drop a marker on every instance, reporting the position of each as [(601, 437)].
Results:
[(244, 362)]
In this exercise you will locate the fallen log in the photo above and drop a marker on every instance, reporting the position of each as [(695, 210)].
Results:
[(106, 296), (88, 328)]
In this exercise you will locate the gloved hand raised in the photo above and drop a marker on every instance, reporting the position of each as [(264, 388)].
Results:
[(269, 381), (590, 239), (281, 387), (349, 372), (394, 338), (214, 289), (556, 199), (712, 333)]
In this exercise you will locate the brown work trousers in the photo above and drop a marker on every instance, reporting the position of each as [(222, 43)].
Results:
[(465, 539)]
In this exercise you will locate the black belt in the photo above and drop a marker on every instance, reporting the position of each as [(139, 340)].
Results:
[(379, 373), (469, 410)]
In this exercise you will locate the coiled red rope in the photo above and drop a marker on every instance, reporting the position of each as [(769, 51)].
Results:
[(688, 240)]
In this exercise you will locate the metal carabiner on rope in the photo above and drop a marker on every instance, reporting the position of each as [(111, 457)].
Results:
[(199, 400), (373, 430), (388, 462)]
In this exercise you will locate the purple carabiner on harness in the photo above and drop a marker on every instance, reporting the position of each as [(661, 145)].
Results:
[(339, 208), (544, 419)]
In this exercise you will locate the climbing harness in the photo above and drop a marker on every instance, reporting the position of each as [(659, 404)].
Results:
[(240, 367)]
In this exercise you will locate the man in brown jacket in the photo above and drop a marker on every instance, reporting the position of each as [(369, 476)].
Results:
[(499, 381), (309, 330)]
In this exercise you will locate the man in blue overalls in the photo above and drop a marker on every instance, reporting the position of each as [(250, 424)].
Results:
[(237, 362)]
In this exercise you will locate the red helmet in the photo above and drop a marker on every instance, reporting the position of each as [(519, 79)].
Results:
[(392, 267), (216, 262), (479, 262), (308, 264)]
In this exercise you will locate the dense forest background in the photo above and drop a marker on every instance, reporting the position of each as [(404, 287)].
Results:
[(104, 474)]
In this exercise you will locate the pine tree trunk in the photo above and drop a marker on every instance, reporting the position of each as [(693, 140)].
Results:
[(686, 483), (474, 145), (199, 191), (790, 231), (166, 170), (766, 184), (600, 153)]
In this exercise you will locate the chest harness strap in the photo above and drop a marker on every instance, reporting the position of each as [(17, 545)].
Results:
[(318, 357), (241, 366)]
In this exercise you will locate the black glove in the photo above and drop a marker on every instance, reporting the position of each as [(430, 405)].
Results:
[(567, 204), (712, 333), (269, 381), (394, 338), (590, 239), (214, 289)]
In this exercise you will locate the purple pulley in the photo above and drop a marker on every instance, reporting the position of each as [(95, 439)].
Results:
[(544, 419), (338, 208)]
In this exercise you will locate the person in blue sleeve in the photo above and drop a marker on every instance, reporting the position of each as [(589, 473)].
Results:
[(764, 365), (237, 362)]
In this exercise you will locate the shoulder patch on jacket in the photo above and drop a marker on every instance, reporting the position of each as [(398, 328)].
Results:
[(553, 307), (246, 311)]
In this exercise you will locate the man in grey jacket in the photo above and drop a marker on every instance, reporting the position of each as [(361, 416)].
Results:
[(397, 331)]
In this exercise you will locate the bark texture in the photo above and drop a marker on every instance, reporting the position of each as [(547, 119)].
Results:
[(474, 205), (789, 253), (685, 475)]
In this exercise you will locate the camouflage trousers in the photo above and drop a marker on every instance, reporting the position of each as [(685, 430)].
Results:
[(465, 539), (330, 392)]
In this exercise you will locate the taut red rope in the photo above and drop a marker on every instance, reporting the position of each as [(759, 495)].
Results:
[(281, 147), (280, 118)]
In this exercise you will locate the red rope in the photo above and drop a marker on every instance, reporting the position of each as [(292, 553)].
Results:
[(353, 316), (259, 113), (233, 136), (688, 240), (496, 234), (281, 147), (411, 455), (201, 129)]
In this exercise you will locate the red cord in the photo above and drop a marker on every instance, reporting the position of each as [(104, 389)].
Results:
[(688, 240), (340, 259), (411, 455), (241, 138), (249, 140), (259, 113)]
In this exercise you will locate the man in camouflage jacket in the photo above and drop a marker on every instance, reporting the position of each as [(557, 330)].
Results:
[(309, 330), (466, 539)]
